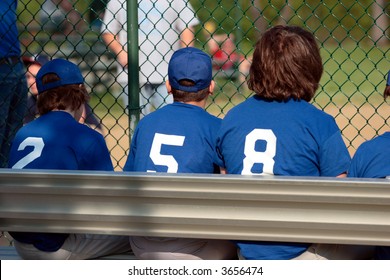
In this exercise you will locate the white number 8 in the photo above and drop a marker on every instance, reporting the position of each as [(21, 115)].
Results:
[(265, 157)]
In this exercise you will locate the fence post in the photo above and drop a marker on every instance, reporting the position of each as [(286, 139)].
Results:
[(133, 86)]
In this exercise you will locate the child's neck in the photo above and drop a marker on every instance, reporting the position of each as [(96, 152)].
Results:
[(201, 104)]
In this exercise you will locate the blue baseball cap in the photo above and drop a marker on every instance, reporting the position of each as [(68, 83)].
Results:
[(190, 64), (388, 79), (68, 72)]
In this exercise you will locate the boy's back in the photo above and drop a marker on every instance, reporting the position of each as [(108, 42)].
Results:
[(179, 138), (59, 142)]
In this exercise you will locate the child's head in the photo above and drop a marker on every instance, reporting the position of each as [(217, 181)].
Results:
[(33, 64), (190, 75), (286, 64), (386, 93), (60, 86)]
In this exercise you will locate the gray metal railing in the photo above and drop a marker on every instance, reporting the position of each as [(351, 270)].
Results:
[(301, 209)]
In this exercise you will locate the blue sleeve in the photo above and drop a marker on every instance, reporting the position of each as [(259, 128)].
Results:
[(129, 165), (97, 156), (353, 170), (334, 157), (357, 163), (218, 154)]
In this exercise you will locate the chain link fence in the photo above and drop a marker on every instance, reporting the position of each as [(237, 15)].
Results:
[(353, 35)]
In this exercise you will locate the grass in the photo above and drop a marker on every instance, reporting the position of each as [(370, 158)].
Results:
[(353, 74)]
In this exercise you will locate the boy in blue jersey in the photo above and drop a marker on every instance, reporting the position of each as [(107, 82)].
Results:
[(372, 160), (56, 140), (179, 138), (278, 132)]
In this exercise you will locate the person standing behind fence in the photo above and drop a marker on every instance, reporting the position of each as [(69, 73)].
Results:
[(32, 64), (13, 86), (372, 160), (61, 16), (56, 140), (179, 138), (278, 132), (164, 26)]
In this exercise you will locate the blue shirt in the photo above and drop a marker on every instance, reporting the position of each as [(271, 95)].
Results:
[(56, 141), (372, 160), (291, 138), (10, 45), (177, 138)]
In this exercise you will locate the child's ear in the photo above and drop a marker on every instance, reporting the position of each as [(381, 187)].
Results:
[(211, 87), (168, 86)]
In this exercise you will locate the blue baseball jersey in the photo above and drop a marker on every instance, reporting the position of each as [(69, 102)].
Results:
[(57, 141), (291, 138), (372, 160), (177, 138)]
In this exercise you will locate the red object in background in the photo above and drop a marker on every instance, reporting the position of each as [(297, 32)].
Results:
[(225, 61), (222, 50)]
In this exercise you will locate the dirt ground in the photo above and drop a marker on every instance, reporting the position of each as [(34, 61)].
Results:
[(117, 139), (359, 124)]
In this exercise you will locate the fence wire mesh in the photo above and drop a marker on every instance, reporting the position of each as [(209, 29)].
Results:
[(353, 36)]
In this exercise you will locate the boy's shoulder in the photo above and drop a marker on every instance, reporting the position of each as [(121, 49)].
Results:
[(381, 142)]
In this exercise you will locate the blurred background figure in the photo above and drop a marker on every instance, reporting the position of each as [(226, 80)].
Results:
[(32, 64), (13, 87), (224, 54), (96, 14), (164, 26), (61, 16)]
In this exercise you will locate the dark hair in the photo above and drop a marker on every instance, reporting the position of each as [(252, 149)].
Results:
[(69, 97), (286, 64), (185, 96), (386, 92)]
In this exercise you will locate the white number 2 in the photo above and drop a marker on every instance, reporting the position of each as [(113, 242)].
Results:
[(265, 157), (165, 160), (38, 145)]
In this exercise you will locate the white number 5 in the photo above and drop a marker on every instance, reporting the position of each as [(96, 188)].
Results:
[(38, 145), (165, 160)]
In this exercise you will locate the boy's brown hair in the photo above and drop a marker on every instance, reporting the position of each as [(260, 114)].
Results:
[(386, 92), (184, 96), (286, 64), (68, 97)]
